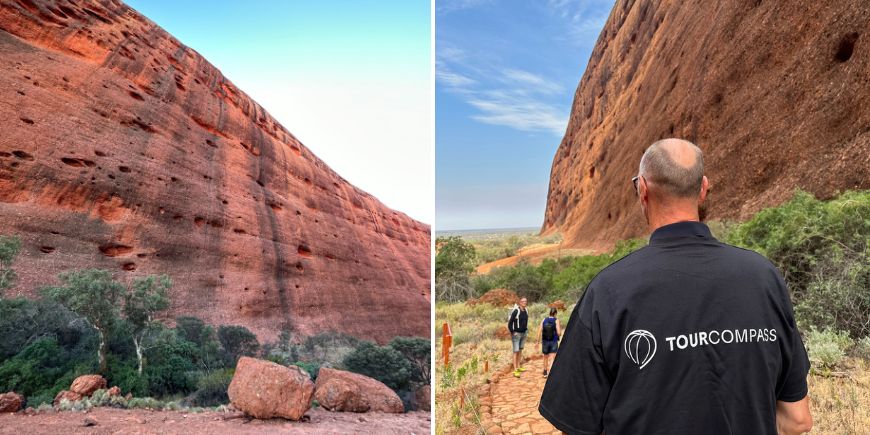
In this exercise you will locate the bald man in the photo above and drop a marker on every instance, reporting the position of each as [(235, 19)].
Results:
[(688, 335)]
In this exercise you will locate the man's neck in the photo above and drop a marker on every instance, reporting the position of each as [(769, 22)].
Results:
[(657, 221)]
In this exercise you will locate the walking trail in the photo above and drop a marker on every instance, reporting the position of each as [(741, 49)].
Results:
[(512, 404)]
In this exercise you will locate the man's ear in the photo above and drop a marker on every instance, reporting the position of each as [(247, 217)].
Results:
[(704, 185)]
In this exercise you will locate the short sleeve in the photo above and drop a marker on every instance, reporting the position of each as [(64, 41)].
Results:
[(578, 385), (792, 383)]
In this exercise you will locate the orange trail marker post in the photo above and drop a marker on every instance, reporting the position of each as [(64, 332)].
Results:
[(446, 342)]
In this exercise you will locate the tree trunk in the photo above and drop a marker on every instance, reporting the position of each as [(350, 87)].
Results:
[(104, 349), (138, 344)]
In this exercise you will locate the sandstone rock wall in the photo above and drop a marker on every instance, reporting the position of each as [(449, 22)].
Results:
[(121, 148), (774, 93)]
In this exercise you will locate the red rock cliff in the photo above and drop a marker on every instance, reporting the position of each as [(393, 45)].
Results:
[(774, 93), (121, 148)]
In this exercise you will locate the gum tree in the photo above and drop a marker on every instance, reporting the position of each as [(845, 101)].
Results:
[(147, 297), (9, 247), (93, 295)]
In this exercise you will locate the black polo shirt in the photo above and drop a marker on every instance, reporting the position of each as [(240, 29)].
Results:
[(687, 335)]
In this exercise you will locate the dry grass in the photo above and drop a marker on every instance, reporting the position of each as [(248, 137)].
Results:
[(840, 404)]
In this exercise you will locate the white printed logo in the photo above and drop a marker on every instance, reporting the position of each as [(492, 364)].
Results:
[(640, 346)]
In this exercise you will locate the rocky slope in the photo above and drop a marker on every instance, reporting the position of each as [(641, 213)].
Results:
[(121, 148), (773, 92)]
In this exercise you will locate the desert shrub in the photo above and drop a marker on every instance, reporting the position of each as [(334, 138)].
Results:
[(237, 341), (454, 261), (211, 389), (382, 363), (827, 348), (124, 375), (170, 368), (312, 368), (326, 349), (36, 369), (862, 348), (418, 352), (22, 321), (821, 247), (209, 355)]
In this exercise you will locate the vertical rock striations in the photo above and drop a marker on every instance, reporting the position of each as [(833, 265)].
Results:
[(773, 92), (121, 148)]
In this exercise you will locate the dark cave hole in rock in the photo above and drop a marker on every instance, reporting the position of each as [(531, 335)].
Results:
[(99, 153), (136, 96), (846, 47), (592, 172), (129, 266), (22, 155), (299, 267), (47, 249), (304, 250), (26, 120), (124, 168), (114, 250)]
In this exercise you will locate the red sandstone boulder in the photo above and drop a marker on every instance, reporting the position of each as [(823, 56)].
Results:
[(559, 305), (338, 390), (11, 402), (87, 384), (499, 297), (263, 389), (68, 395), (114, 391), (423, 398)]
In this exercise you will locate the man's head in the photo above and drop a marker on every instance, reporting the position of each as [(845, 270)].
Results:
[(523, 302), (671, 184)]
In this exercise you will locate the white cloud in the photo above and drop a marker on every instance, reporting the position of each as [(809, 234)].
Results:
[(448, 6), (520, 77), (518, 111)]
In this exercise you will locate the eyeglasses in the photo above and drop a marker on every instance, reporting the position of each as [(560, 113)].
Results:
[(634, 181)]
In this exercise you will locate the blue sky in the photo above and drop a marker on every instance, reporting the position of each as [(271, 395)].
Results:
[(351, 79), (506, 72)]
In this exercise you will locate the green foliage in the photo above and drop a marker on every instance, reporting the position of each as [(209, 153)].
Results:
[(170, 367), (94, 295), (827, 348), (23, 321), (564, 279), (382, 363), (417, 351), (862, 348), (211, 389), (9, 247), (822, 249), (312, 368), (193, 330), (454, 261), (237, 341), (37, 369), (147, 297)]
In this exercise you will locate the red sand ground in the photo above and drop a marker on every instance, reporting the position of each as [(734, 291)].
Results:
[(117, 421)]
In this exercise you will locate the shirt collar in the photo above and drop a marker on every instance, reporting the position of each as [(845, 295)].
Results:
[(681, 229)]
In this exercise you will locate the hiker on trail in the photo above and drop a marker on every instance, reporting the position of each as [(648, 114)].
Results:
[(548, 336), (518, 325), (687, 335)]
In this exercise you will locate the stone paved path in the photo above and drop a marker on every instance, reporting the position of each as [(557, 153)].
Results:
[(512, 404)]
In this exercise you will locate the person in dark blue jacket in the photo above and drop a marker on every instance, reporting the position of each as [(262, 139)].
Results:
[(548, 336)]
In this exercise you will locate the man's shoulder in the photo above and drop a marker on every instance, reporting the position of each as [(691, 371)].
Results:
[(618, 268)]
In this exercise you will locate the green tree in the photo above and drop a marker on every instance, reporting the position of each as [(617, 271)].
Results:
[(418, 351), (94, 295), (454, 262), (9, 247), (383, 363), (237, 341), (147, 297)]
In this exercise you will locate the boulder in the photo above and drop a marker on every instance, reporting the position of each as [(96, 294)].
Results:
[(498, 297), (68, 395), (11, 402), (423, 398), (263, 389), (558, 304), (338, 390), (114, 391), (87, 384)]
